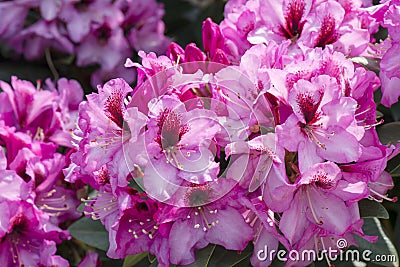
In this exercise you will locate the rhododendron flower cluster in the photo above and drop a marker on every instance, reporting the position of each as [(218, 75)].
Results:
[(263, 138), (276, 149), (102, 33), (298, 23), (35, 201)]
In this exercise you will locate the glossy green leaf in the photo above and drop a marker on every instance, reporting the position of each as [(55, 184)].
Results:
[(393, 166), (383, 246), (395, 111), (90, 232), (223, 257), (369, 209), (389, 133)]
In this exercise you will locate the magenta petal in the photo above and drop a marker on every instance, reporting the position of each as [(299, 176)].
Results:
[(91, 260), (12, 187), (340, 153), (329, 170), (231, 232), (183, 238), (160, 180), (160, 248), (351, 191), (4, 219), (390, 94), (294, 222), (390, 62), (324, 209), (278, 192), (3, 160)]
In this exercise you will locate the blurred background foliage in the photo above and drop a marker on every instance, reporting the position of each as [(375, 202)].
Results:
[(183, 20)]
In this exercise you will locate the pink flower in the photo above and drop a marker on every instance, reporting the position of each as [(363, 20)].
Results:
[(256, 156), (179, 146), (321, 121), (33, 41), (204, 222), (79, 17), (90, 260), (390, 75), (303, 22), (320, 197), (45, 115), (106, 46), (24, 235), (101, 123), (13, 16), (143, 22)]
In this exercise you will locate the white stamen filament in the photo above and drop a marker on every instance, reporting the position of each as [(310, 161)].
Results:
[(312, 208)]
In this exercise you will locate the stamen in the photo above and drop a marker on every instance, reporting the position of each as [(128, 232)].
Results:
[(46, 207), (325, 252), (226, 97), (367, 127), (394, 199), (205, 219), (310, 132), (39, 134), (312, 208)]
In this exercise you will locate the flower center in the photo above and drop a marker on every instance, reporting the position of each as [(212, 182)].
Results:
[(198, 195), (321, 180), (327, 34), (103, 33), (170, 129), (113, 107), (19, 223), (102, 176), (170, 132), (294, 13), (308, 107)]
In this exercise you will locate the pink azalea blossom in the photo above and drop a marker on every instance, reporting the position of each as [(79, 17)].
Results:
[(46, 115), (218, 222), (24, 233)]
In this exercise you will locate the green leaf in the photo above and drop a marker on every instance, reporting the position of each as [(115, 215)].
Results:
[(215, 256), (133, 184), (369, 209), (90, 232), (223, 257), (395, 110), (393, 166), (132, 260), (389, 133), (383, 246)]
